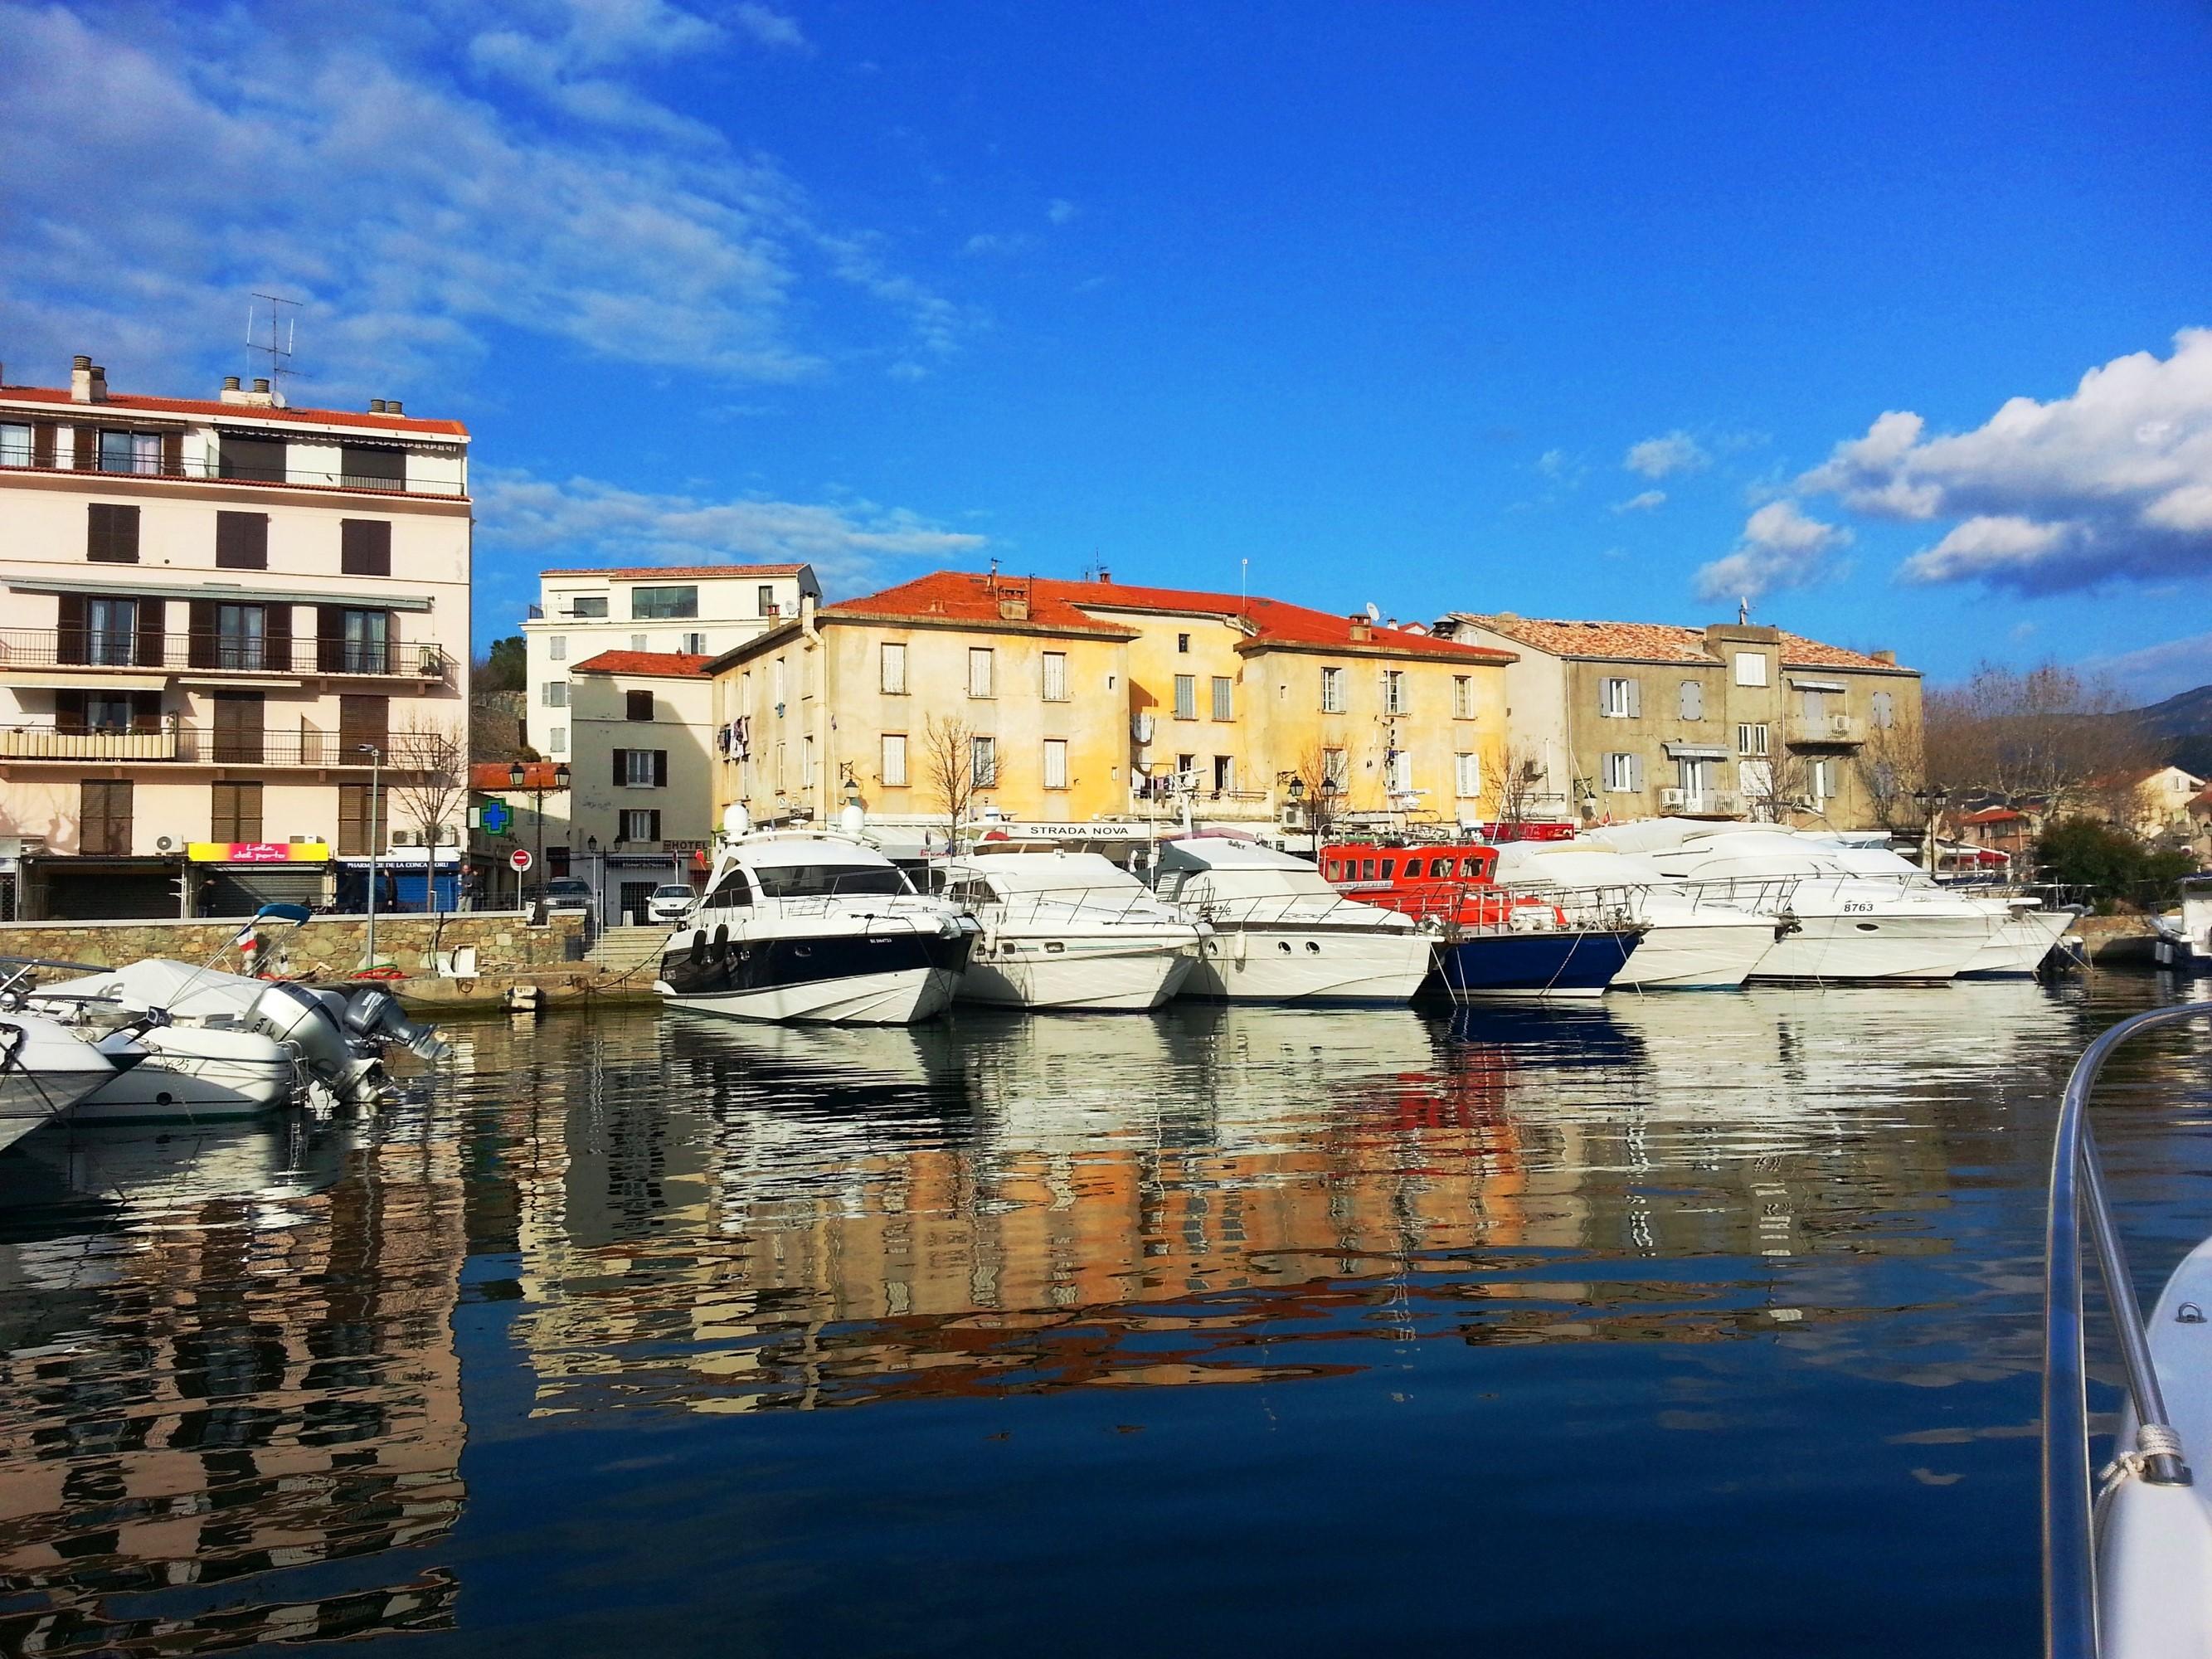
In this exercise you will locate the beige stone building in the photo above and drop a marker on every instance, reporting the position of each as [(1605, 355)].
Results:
[(641, 787), (220, 615), (1631, 720)]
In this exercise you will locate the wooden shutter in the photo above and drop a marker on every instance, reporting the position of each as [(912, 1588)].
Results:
[(1635, 699), (111, 533), (153, 632), (659, 769), (621, 766), (68, 711), (42, 444), (85, 456), (276, 635), (200, 634), (353, 819), (364, 721), (173, 455), (241, 541), (145, 711), (238, 721), (365, 547), (69, 639), (330, 638)]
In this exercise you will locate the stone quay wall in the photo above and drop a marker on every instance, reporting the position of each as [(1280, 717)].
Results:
[(327, 947)]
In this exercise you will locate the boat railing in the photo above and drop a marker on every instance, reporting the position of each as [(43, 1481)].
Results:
[(1283, 910), (2069, 1506), (1108, 906)]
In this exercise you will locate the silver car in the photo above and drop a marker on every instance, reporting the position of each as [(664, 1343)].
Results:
[(668, 903)]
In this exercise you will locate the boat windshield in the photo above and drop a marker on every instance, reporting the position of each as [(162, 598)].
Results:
[(815, 880)]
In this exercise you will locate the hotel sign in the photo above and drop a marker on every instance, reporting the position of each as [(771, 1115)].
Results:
[(259, 852)]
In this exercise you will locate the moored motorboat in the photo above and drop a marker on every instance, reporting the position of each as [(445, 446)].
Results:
[(1692, 940), (45, 1071), (1068, 930)]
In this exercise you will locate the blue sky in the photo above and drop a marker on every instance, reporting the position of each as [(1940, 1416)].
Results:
[(1605, 311)]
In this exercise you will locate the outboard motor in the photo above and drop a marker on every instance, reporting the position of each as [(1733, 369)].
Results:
[(374, 1016)]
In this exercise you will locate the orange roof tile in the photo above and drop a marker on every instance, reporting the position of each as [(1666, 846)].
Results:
[(665, 665), (499, 775), (648, 572), (1659, 642), (253, 413), (960, 596)]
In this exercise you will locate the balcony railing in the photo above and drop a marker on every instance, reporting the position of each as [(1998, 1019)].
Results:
[(96, 648), (186, 745), (1815, 731), (15, 459)]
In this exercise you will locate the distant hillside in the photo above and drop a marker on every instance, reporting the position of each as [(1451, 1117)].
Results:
[(2183, 724)]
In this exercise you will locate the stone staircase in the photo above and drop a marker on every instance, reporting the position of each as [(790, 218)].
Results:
[(618, 949)]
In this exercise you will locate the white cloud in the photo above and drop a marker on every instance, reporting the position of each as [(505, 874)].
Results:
[(2156, 672), (343, 163), (1781, 547), (1060, 211), (992, 241), (1562, 468), (587, 521), (2109, 482), (770, 26), (1657, 458), (1648, 501)]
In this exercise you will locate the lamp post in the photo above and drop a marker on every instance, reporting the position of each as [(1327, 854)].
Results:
[(1929, 800), (518, 778), (375, 779)]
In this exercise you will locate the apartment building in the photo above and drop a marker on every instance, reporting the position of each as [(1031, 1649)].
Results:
[(1063, 702), (694, 611), (1629, 720), (236, 650), (641, 797)]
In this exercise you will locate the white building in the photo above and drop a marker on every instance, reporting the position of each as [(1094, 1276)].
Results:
[(641, 796), (695, 610), (216, 611)]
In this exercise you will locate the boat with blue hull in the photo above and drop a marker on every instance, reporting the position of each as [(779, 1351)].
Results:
[(1558, 962)]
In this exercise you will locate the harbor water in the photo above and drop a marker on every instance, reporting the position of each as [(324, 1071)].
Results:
[(1701, 1323)]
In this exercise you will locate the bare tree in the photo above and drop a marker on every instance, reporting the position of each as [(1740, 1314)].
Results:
[(1777, 787), (948, 766), (1324, 774), (1515, 776), (429, 775), (1893, 769), (2045, 735)]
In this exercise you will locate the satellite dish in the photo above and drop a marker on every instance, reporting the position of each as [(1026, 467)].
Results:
[(1374, 613)]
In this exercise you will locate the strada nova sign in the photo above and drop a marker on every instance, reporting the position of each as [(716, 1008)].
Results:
[(259, 852)]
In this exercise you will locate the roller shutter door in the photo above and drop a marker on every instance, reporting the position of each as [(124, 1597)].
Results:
[(239, 889)]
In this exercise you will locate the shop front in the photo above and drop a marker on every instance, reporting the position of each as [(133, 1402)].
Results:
[(237, 877), (414, 878)]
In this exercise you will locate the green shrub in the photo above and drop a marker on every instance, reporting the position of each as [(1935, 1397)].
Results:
[(2111, 865)]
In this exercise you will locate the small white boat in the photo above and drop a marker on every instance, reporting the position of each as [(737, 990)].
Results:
[(1281, 933), (811, 926), (1068, 930), (45, 1070)]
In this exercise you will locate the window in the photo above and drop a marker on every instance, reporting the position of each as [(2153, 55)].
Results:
[(1186, 694), (893, 767), (1467, 776), (1813, 702), (638, 642), (1332, 690), (1755, 778), (1056, 677), (640, 768), (588, 604), (1885, 710), (1750, 668), (259, 461), (1691, 706), (775, 684), (104, 818), (978, 670), (637, 705), (1624, 775), (15, 446), (1223, 708), (129, 451), (1393, 691), (983, 762), (1823, 775), (557, 648), (1225, 774), (366, 646), (111, 632), (241, 541), (556, 739), (660, 604), (1751, 739), (362, 721), (1336, 772), (353, 819), (1055, 763), (372, 466), (1398, 772), (236, 813), (238, 635), (891, 670), (1619, 699), (1462, 698), (764, 597), (365, 547), (641, 824), (1182, 644), (1186, 765), (111, 534), (695, 645), (554, 694)]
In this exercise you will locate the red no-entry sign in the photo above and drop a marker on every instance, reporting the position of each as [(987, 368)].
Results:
[(519, 858)]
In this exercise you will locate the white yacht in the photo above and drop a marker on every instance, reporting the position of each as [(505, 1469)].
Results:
[(1848, 926), (45, 1070), (817, 926), (1281, 933), (2023, 930), (1068, 930), (1693, 941)]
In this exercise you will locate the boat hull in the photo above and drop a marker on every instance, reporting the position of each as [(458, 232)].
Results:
[(1111, 978), (1696, 956), (1554, 963), (2018, 943), (1885, 945), (856, 979), (1295, 964), (50, 1071), (195, 1074)]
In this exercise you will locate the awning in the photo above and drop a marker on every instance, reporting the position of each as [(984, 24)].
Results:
[(258, 681), (379, 601), (1694, 751), (45, 679), (1804, 684)]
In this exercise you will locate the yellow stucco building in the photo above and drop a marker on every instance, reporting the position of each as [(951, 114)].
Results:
[(1067, 701)]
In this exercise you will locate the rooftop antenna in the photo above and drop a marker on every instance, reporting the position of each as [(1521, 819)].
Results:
[(280, 318), (1743, 610), (1244, 580)]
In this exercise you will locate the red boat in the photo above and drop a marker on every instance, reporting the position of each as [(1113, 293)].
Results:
[(1451, 883)]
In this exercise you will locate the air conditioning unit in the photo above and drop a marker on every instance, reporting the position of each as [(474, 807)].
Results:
[(1292, 816), (1840, 725), (449, 834), (1670, 797), (404, 838), (165, 843)]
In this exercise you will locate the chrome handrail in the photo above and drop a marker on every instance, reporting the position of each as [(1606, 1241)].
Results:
[(2077, 1177)]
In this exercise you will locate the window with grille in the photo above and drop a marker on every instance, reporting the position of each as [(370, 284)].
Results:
[(983, 762), (1332, 690), (1055, 763), (1462, 698), (979, 664), (1056, 677), (893, 768), (1751, 739), (1223, 706), (1186, 696), (892, 669), (1393, 691)]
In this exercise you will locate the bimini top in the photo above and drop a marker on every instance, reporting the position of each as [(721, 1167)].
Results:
[(768, 849), (1046, 872), (1229, 852)]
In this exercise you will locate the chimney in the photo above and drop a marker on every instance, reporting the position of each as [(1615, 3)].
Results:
[(98, 384), (80, 378), (231, 394), (1104, 574), (1361, 629), (1013, 607), (376, 406), (1888, 657), (259, 394), (393, 406)]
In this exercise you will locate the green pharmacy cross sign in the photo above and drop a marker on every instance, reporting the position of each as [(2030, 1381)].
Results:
[(497, 818)]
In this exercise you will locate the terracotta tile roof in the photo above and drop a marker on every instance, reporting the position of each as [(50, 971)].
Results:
[(1658, 642), (665, 665), (1089, 607), (499, 775), (1992, 815), (123, 402), (648, 572)]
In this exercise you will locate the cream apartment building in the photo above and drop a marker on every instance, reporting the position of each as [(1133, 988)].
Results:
[(234, 652), (641, 792), (692, 611), (1735, 720)]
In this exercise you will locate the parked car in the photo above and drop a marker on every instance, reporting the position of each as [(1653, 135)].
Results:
[(670, 902), (566, 893)]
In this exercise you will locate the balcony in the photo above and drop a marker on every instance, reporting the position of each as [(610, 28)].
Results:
[(184, 745), (1701, 802), (206, 470), (1826, 732), (91, 650)]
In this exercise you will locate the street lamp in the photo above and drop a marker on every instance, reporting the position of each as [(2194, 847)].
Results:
[(375, 778), (1929, 800), (518, 778)]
